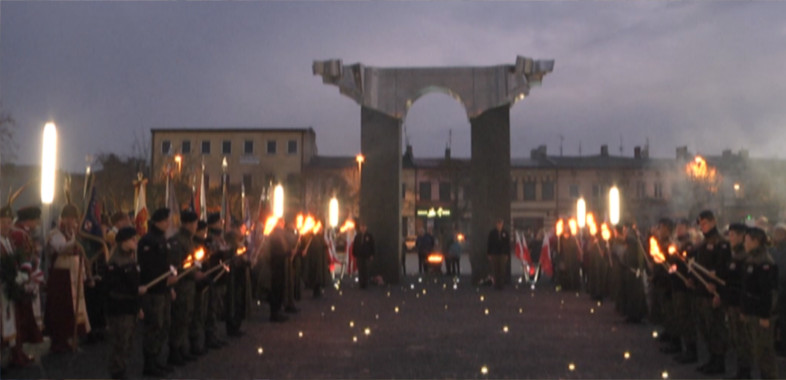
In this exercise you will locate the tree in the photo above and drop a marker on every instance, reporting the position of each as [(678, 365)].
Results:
[(7, 125)]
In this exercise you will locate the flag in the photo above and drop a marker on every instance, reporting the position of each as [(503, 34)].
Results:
[(331, 246), (91, 222), (246, 208), (351, 263), (200, 206), (522, 251), (140, 206), (225, 214), (173, 206), (545, 257)]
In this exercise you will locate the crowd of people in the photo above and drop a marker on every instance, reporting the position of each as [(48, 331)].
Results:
[(182, 282), (698, 282)]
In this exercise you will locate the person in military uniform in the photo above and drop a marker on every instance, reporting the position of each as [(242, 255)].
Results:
[(598, 267), (731, 295), (662, 293), (280, 251), (153, 257), (218, 255), (293, 264), (632, 263), (123, 306), (759, 291), (181, 246), (568, 274), (498, 251), (196, 331), (682, 295), (714, 254), (237, 278), (364, 250)]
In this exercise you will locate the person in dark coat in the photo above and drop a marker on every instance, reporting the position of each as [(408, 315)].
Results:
[(498, 251), (363, 248)]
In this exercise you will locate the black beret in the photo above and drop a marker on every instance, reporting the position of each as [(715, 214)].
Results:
[(160, 215), (28, 213), (188, 217), (6, 212), (201, 225), (706, 215), (738, 227), (213, 218), (69, 211), (124, 234), (758, 234)]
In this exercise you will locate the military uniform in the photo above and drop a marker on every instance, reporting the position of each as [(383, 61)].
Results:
[(196, 331), (759, 290), (122, 282), (153, 257), (714, 254), (598, 269), (181, 246), (568, 266), (215, 310), (683, 301), (237, 279), (732, 295), (634, 300)]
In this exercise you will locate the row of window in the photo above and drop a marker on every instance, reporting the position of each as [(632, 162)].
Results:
[(547, 190), (424, 192), (226, 147)]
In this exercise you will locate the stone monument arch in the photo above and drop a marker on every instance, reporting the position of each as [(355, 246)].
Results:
[(386, 94)]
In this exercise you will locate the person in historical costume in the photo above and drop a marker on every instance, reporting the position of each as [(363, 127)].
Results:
[(66, 311), (28, 276)]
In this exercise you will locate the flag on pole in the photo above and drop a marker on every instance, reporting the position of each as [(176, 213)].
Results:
[(522, 252), (225, 215), (545, 257), (351, 262), (140, 206), (331, 246), (200, 206), (91, 222), (173, 205), (246, 208)]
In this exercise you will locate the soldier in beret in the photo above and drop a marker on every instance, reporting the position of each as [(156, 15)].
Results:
[(196, 331), (181, 247), (123, 306), (217, 249)]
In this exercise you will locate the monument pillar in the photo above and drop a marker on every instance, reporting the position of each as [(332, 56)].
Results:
[(380, 189), (490, 178)]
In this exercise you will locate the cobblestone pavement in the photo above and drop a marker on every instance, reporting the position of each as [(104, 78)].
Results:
[(422, 328)]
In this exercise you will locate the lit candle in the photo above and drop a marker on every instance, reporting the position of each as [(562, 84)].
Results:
[(664, 375), (367, 331), (351, 323), (626, 355), (484, 370), (486, 311), (260, 350), (505, 329), (571, 366)]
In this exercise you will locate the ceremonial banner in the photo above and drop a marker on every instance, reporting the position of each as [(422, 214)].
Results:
[(140, 207), (545, 257)]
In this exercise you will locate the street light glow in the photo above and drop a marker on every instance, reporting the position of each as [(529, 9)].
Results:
[(333, 212), (278, 201), (48, 163), (581, 212), (614, 206)]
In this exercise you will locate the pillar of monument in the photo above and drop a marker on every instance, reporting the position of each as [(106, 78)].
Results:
[(490, 178), (380, 189)]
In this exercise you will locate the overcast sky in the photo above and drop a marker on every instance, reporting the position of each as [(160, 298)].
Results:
[(709, 75)]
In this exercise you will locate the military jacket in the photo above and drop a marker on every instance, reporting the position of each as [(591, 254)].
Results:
[(714, 254), (180, 246), (732, 291), (122, 280), (153, 257), (759, 284)]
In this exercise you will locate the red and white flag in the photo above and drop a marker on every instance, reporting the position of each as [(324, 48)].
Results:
[(351, 262), (545, 257), (331, 246), (522, 251), (140, 207)]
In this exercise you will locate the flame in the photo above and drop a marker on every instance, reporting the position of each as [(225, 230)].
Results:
[(655, 252), (672, 249), (460, 237), (605, 231), (270, 224), (593, 227), (560, 226), (241, 250), (574, 228), (348, 225), (189, 261), (435, 258), (199, 255), (317, 227), (699, 171), (307, 225)]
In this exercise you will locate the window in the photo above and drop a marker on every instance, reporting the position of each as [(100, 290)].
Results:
[(247, 181), (205, 147), (547, 191), (529, 190), (292, 147), (425, 191), (248, 147), (166, 147), (573, 190), (641, 189), (658, 190), (514, 190), (271, 146), (444, 191), (185, 148), (226, 147)]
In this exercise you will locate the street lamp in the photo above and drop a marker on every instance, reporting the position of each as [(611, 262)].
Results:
[(333, 212), (278, 201), (179, 162), (581, 212), (360, 160), (614, 206)]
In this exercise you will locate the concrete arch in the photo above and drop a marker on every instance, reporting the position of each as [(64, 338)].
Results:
[(386, 94)]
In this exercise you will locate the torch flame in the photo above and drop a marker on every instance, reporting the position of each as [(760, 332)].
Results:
[(189, 261), (299, 222), (460, 237), (574, 228), (241, 250), (605, 232), (593, 227), (348, 225), (307, 225), (317, 227), (672, 249), (435, 258), (270, 224), (698, 170), (560, 226), (199, 255), (655, 252)]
